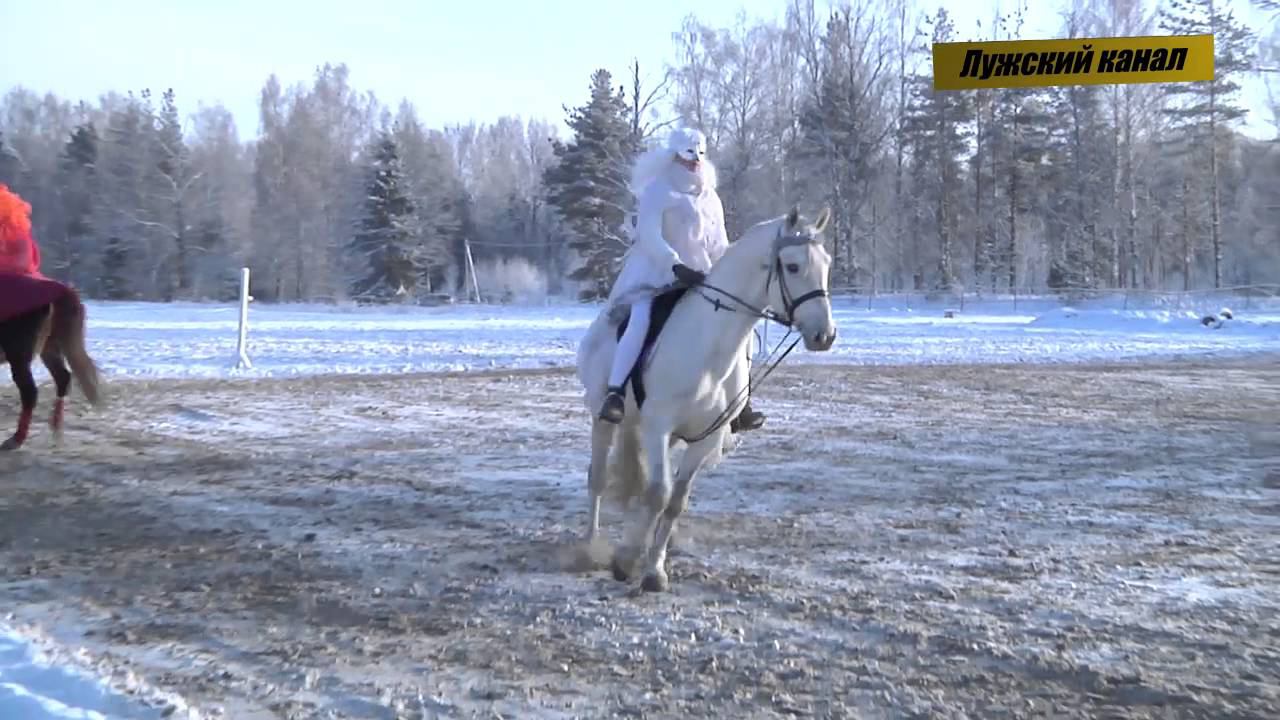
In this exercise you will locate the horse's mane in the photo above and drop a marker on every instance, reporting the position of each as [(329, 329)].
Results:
[(650, 164), (765, 231)]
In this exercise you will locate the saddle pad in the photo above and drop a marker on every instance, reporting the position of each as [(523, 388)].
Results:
[(21, 294)]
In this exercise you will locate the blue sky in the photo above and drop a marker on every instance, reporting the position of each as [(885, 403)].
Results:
[(456, 61)]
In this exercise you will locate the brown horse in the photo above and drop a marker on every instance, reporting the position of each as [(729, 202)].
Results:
[(56, 332)]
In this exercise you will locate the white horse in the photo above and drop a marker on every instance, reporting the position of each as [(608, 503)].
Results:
[(696, 377)]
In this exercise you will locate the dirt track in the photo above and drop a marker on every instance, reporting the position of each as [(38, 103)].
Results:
[(917, 542)]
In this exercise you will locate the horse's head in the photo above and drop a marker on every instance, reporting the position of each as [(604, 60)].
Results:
[(800, 264)]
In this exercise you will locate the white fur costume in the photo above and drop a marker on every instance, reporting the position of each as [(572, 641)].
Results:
[(679, 220)]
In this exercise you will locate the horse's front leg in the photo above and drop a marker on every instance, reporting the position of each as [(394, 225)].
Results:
[(655, 576), (656, 496), (592, 553), (20, 368), (602, 434)]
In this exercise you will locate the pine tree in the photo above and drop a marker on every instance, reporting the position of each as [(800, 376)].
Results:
[(434, 189), (937, 133), (115, 284), (123, 160), (844, 126), (1083, 246), (1203, 111), (588, 184), (385, 240), (10, 163), (172, 184), (77, 183)]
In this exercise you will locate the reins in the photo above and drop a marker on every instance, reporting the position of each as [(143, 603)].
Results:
[(789, 306)]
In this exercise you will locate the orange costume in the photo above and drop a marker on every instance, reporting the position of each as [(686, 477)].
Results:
[(18, 252)]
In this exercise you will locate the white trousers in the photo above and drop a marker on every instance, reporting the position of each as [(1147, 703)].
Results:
[(631, 343)]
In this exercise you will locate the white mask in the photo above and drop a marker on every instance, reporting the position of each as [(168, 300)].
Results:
[(688, 144)]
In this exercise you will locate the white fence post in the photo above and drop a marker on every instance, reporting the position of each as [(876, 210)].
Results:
[(245, 298), (471, 269)]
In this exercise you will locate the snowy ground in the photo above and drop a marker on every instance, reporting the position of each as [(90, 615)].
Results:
[(944, 538), (195, 340), (34, 686)]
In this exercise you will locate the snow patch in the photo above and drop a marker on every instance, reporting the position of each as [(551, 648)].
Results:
[(199, 340), (35, 686)]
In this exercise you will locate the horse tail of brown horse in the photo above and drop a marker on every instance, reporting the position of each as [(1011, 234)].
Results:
[(68, 333)]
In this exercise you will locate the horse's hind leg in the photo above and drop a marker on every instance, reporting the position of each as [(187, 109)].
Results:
[(20, 350), (56, 364)]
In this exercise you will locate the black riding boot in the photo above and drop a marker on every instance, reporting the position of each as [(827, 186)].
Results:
[(748, 419), (614, 406)]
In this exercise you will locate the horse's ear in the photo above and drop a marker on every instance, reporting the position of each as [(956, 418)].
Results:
[(793, 217), (823, 218)]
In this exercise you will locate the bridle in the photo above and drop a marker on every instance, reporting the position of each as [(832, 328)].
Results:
[(787, 320), (789, 304)]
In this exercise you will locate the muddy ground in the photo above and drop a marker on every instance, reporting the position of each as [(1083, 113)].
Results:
[(899, 542)]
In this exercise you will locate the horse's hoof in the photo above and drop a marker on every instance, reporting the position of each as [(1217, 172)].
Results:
[(654, 582), (619, 572)]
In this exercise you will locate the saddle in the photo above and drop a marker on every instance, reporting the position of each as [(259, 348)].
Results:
[(663, 303)]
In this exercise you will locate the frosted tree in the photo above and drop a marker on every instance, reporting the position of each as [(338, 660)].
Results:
[(1082, 243), (846, 122), (588, 185), (1269, 58), (1202, 111), (936, 129), (1132, 109), (267, 217), (170, 196), (35, 128), (10, 162), (906, 27), (220, 203), (77, 181), (435, 190), (1019, 135), (695, 75), (127, 162), (386, 239), (646, 96)]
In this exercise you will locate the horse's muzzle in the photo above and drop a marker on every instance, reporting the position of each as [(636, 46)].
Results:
[(820, 341)]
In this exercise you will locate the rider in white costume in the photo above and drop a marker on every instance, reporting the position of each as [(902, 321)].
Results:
[(679, 234)]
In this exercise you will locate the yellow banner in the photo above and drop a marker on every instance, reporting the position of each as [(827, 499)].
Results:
[(1078, 61)]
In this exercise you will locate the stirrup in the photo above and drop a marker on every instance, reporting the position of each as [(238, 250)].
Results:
[(748, 419), (614, 407)]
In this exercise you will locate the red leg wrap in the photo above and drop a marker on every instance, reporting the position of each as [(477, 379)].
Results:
[(24, 427)]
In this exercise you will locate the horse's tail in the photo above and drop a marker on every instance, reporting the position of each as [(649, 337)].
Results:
[(68, 333)]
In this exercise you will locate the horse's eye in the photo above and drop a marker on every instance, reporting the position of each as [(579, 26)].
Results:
[(793, 268)]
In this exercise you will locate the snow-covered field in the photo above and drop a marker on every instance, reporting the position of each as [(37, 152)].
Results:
[(199, 340), (1028, 539)]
